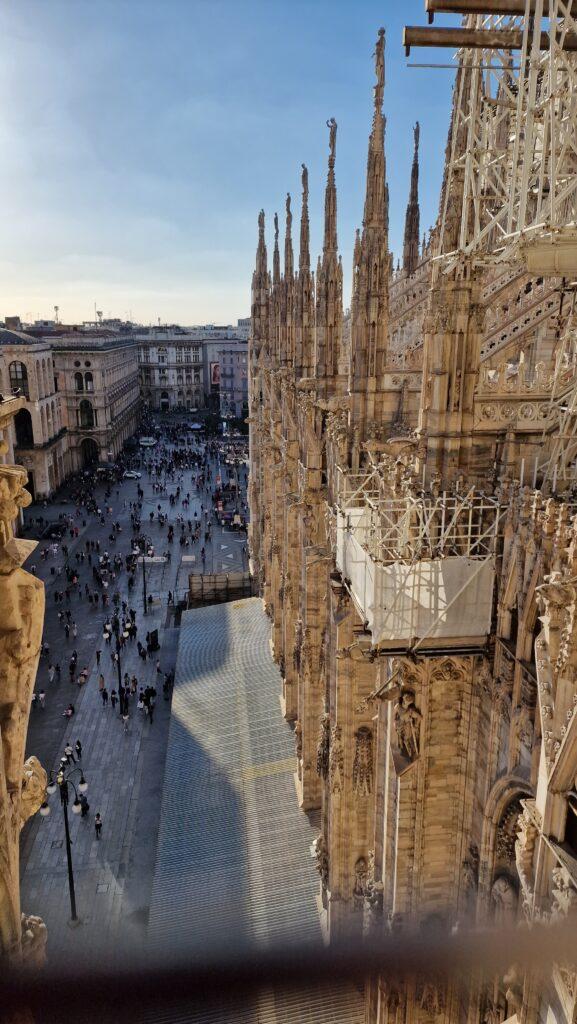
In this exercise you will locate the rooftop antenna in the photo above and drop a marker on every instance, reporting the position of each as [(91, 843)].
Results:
[(56, 312)]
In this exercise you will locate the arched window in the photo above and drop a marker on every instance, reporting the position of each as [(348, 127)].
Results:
[(86, 418), (19, 378), (79, 382), (89, 381), (24, 430)]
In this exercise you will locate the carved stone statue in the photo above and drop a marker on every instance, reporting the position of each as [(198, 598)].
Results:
[(322, 860), (332, 126), (324, 746), (503, 901), (337, 760), (408, 725), (363, 762), (360, 886)]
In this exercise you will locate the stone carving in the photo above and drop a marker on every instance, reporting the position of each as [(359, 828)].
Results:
[(501, 695), (324, 746), (34, 936), (564, 893), (298, 740), (22, 785), (322, 860), (297, 649), (33, 788), (507, 832), (373, 895), (471, 868), (430, 997), (503, 901), (13, 497), (407, 719), (523, 725), (363, 762), (360, 886), (524, 852), (336, 760), (448, 671)]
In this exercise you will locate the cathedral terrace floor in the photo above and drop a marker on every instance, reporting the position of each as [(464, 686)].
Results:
[(234, 858)]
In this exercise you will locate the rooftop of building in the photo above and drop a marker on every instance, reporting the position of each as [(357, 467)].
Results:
[(10, 337)]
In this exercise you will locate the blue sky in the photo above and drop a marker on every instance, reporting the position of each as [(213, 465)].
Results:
[(139, 139)]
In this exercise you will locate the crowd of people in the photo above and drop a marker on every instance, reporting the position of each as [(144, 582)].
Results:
[(99, 573)]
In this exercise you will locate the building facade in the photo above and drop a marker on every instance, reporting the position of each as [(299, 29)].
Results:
[(233, 364), (171, 368), (414, 544), (180, 366), (39, 440), (97, 377)]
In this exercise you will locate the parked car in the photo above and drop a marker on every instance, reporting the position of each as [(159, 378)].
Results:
[(131, 474)]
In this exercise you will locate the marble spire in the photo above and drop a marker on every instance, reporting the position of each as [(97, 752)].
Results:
[(412, 218)]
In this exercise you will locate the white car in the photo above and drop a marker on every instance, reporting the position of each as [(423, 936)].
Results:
[(131, 474), (148, 442)]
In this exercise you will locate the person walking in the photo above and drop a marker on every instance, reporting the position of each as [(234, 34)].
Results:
[(69, 754), (78, 747), (104, 695), (41, 699), (84, 805), (51, 673), (113, 699), (101, 682), (98, 825), (98, 653)]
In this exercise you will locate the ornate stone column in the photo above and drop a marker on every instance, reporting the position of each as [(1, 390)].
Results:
[(22, 785)]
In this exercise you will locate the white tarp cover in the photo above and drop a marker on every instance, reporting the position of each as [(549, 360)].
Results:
[(439, 599)]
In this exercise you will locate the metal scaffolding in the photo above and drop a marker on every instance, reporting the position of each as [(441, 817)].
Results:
[(412, 527)]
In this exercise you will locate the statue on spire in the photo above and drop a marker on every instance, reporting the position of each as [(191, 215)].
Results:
[(412, 218), (304, 256), (332, 126), (380, 70), (261, 223), (275, 255), (288, 245)]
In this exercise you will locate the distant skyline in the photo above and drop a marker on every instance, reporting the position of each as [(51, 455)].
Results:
[(140, 139)]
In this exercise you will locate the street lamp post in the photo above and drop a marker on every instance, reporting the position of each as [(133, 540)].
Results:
[(144, 598), (63, 781), (142, 553), (114, 627)]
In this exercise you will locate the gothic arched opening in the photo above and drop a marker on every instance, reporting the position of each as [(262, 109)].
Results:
[(86, 418), (89, 450), (24, 429)]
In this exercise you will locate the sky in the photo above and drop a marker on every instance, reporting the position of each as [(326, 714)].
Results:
[(140, 138)]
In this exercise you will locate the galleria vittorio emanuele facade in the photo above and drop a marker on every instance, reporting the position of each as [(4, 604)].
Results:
[(413, 485)]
